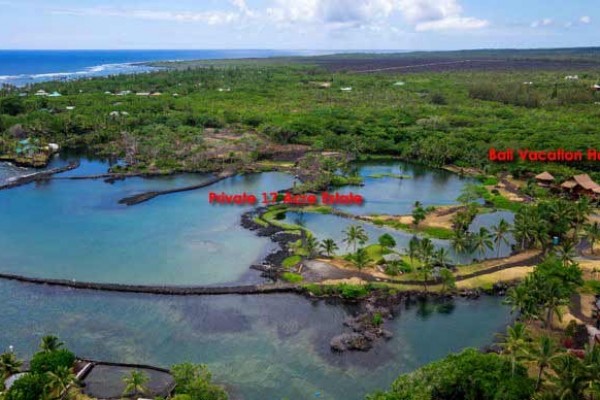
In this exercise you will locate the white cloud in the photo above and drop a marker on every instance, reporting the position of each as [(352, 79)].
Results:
[(421, 14), (208, 17), (429, 15), (420, 11), (542, 22), (585, 19), (374, 15), (452, 23)]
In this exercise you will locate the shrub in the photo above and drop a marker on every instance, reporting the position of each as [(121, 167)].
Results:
[(353, 291), (469, 375), (51, 361), (439, 99), (194, 382), (291, 277), (291, 261), (377, 319), (28, 387), (387, 241)]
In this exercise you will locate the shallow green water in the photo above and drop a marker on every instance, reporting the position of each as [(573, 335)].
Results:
[(263, 347)]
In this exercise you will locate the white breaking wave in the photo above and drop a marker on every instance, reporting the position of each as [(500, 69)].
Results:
[(98, 70)]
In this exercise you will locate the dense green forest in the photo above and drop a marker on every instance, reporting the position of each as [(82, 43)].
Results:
[(438, 118)]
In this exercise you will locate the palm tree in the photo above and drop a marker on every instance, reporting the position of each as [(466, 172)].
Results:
[(441, 257), (448, 279), (482, 241), (311, 245), (9, 365), (59, 381), (522, 300), (591, 364), (426, 250), (329, 246), (592, 234), (542, 352), (580, 214), (567, 253), (553, 293), (426, 272), (460, 241), (355, 234), (413, 248), (519, 298), (135, 383), (360, 258), (514, 343), (568, 380), (51, 343), (500, 233), (561, 215), (529, 227)]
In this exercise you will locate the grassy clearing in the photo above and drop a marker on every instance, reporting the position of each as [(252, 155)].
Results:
[(275, 215), (339, 180), (487, 281), (500, 202), (433, 232), (291, 261), (260, 221), (291, 277), (376, 252)]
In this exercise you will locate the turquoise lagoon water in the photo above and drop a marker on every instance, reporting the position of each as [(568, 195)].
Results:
[(72, 229), (387, 195), (75, 229), (263, 347), (326, 226)]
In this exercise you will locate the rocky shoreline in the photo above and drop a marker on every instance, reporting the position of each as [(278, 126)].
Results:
[(270, 266), (36, 176)]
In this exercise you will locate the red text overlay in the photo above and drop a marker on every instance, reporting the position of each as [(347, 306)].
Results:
[(325, 198), (558, 155)]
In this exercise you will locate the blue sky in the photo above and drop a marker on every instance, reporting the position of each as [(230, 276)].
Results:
[(297, 24)]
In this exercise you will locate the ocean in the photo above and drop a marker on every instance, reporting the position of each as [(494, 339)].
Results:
[(22, 67)]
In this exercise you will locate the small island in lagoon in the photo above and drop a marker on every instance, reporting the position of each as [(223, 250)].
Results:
[(328, 285)]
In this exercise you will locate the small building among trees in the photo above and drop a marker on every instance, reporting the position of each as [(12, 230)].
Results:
[(545, 179), (581, 185)]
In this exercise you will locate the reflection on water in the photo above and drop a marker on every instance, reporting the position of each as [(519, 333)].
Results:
[(326, 226), (385, 194), (264, 347)]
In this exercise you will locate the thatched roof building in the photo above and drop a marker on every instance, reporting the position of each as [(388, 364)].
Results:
[(581, 184), (544, 177)]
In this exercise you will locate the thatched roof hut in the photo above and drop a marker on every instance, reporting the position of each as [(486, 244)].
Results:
[(582, 183), (545, 178)]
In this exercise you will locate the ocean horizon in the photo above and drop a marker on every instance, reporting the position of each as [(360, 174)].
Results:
[(23, 67)]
